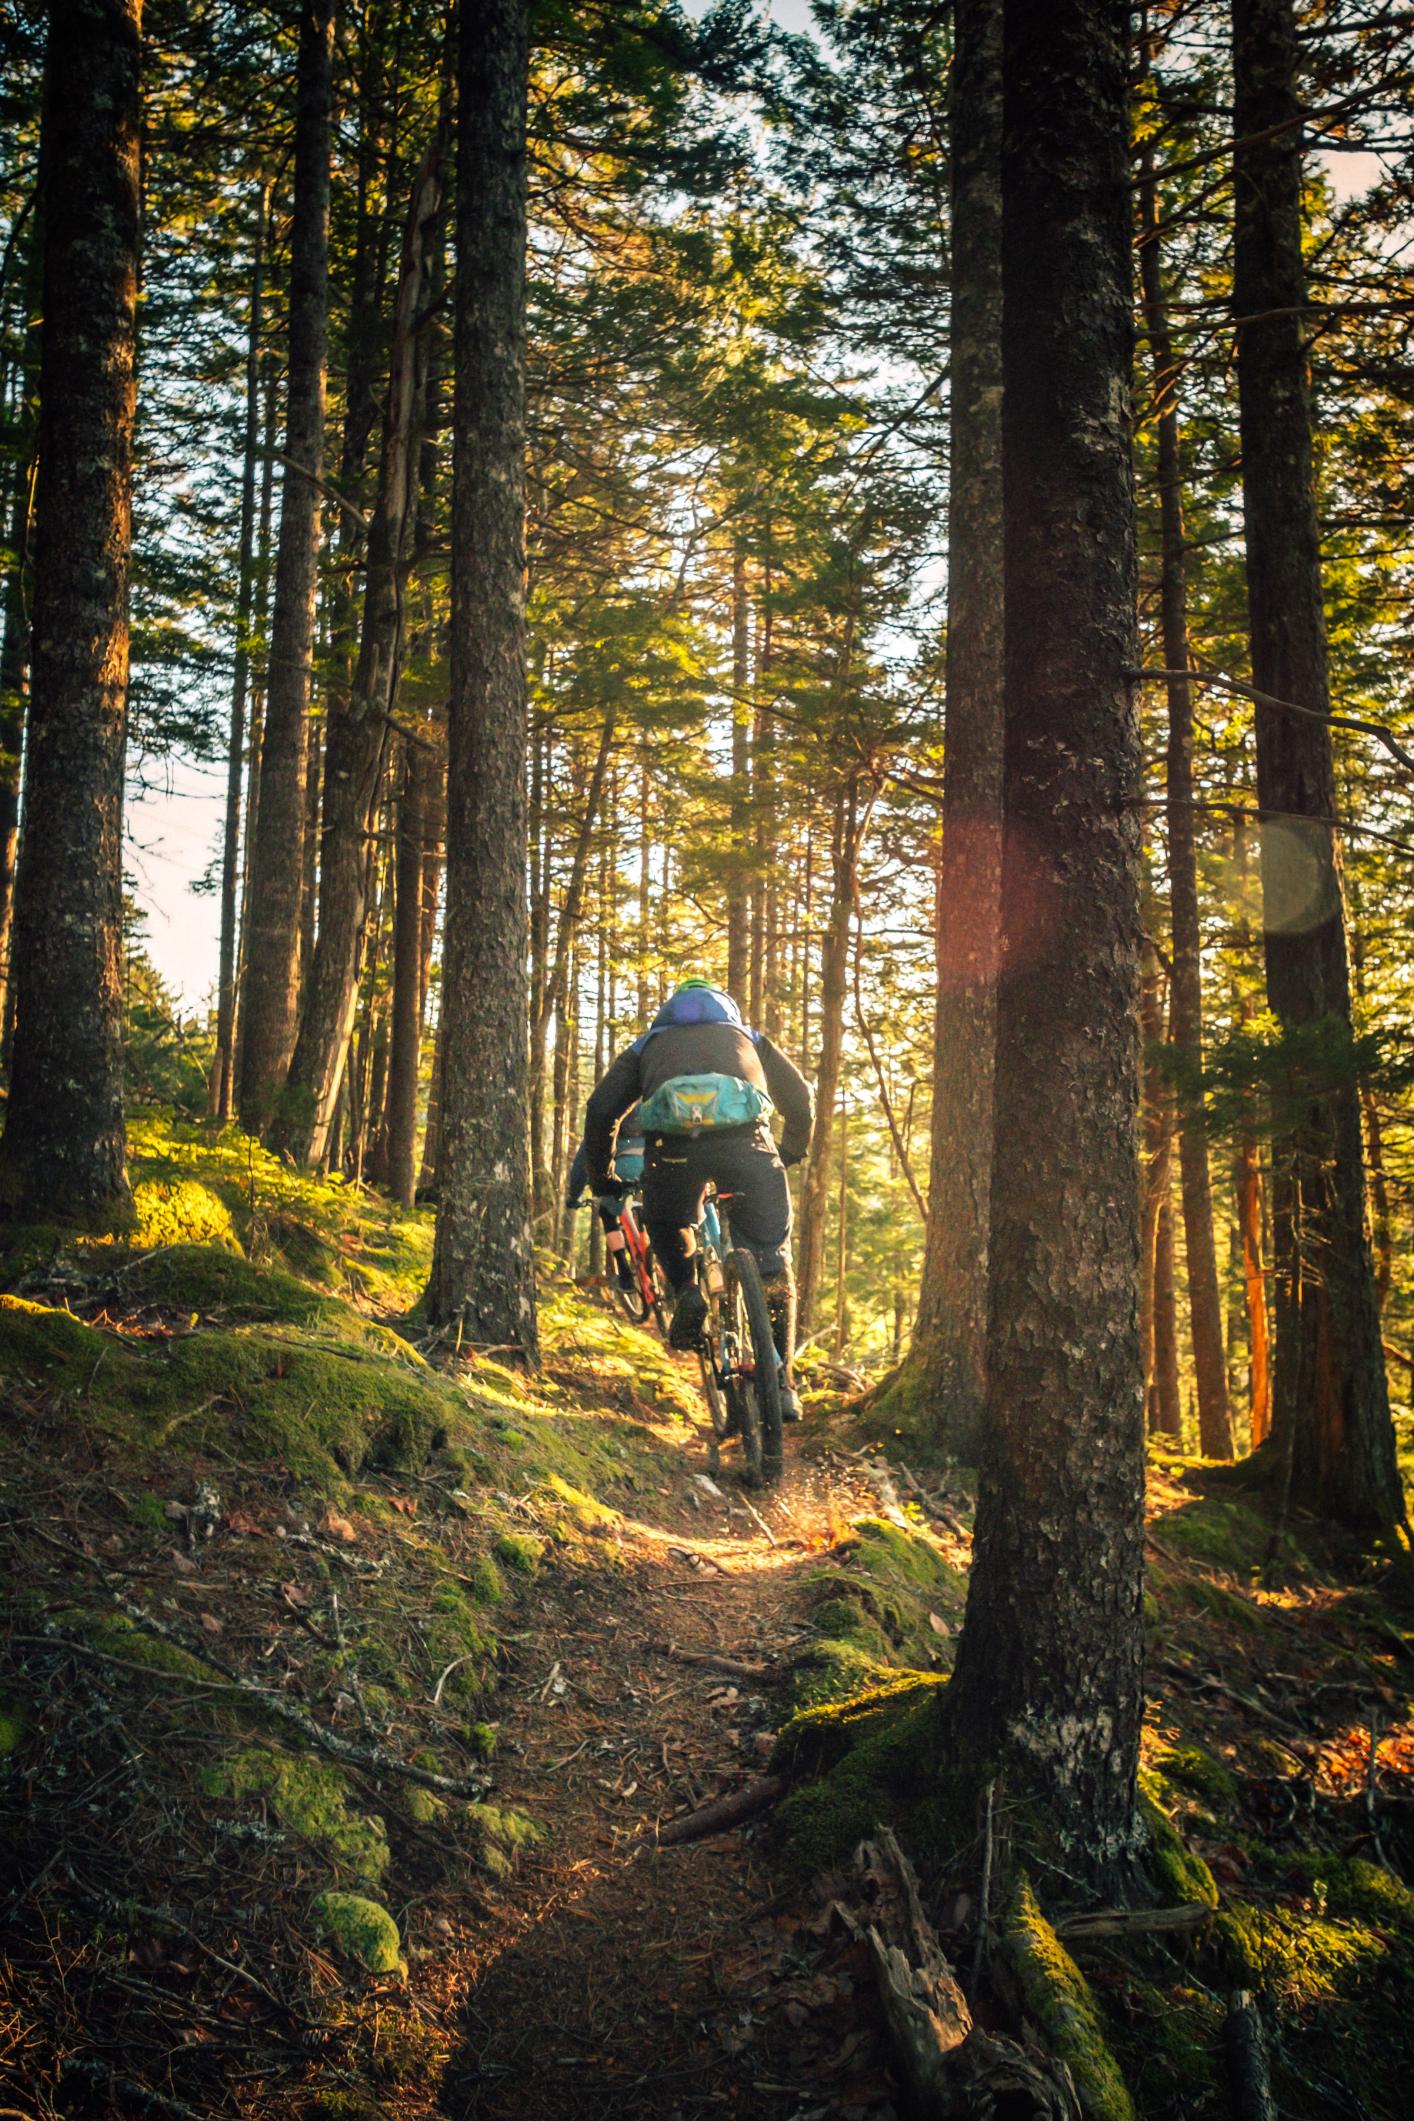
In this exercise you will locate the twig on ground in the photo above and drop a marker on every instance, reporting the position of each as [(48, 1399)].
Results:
[(719, 1816), (734, 1667), (984, 1897), (753, 1512)]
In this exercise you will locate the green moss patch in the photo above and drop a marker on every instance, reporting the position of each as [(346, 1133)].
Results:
[(310, 1798), (1198, 1772), (504, 1836), (1183, 1877), (876, 1758), (1050, 1989), (361, 1929)]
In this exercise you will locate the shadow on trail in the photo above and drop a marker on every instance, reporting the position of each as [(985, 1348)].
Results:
[(607, 1980)]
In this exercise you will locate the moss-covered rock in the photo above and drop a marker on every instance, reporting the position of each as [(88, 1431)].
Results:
[(362, 1929), (311, 1798), (1049, 1988)]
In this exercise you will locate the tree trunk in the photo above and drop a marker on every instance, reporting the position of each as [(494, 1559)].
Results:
[(849, 829), (739, 874), (221, 1094), (950, 1335), (1157, 1328), (257, 700), (1164, 1410), (1186, 1008), (1048, 1682), (552, 999), (64, 1148), (482, 1268), (358, 742), (1331, 1403), (409, 981), (272, 972), (15, 647)]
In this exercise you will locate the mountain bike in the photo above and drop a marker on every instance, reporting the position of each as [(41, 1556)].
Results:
[(642, 1292), (644, 1296), (741, 1370)]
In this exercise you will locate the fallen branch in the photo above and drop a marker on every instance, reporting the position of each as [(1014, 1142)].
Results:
[(1133, 1922), (733, 1667), (121, 2093), (372, 1758), (720, 1816)]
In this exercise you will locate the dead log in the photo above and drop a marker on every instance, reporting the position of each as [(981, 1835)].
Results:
[(1247, 2074), (952, 2067), (720, 1815)]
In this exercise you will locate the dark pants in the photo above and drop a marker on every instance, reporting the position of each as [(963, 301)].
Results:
[(742, 1161)]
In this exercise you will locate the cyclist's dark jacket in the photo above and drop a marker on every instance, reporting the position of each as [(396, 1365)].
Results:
[(672, 1049)]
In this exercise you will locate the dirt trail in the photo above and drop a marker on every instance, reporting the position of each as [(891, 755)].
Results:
[(611, 1980)]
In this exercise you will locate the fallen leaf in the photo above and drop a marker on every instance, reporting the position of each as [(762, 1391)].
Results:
[(242, 1521), (182, 1563), (211, 1624), (338, 1527), (939, 1627)]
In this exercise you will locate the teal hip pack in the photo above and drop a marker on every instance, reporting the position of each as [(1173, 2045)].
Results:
[(701, 1104)]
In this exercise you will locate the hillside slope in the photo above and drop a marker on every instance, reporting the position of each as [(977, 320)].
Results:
[(342, 1695)]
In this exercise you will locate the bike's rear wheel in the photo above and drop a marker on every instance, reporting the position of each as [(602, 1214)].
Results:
[(759, 1387), (630, 1300)]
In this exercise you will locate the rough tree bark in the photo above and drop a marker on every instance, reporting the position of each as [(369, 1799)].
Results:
[(1331, 1419), (738, 876), (64, 1152), (270, 1000), (850, 825), (949, 1344), (221, 1093), (14, 648), (358, 741), (1186, 1005), (483, 1282), (1049, 1670), (415, 805)]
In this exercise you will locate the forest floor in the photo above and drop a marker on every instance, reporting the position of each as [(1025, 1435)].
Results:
[(342, 1700)]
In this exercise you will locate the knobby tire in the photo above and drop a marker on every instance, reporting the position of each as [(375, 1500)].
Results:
[(762, 1434)]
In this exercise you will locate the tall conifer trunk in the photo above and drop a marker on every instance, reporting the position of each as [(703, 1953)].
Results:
[(482, 1281), (1048, 1678), (1186, 1007), (15, 603), (221, 1095), (64, 1149), (358, 742), (738, 876), (1331, 1418), (270, 1000), (834, 967), (950, 1335)]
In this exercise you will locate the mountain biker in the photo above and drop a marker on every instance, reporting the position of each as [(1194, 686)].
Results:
[(628, 1164), (706, 1085)]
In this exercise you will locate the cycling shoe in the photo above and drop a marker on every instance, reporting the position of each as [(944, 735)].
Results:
[(790, 1403), (689, 1317)]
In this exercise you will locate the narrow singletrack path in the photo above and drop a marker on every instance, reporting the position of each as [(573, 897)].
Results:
[(612, 1978)]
